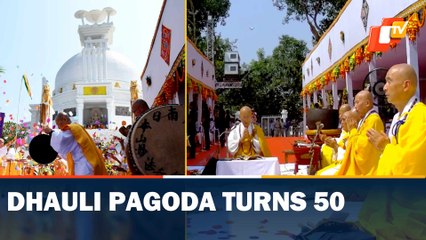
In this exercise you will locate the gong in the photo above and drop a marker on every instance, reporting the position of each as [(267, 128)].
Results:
[(40, 149)]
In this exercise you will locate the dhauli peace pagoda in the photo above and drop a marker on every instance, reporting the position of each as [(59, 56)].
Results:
[(94, 85)]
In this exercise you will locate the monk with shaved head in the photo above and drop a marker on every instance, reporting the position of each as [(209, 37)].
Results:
[(246, 140), (346, 115), (362, 157), (73, 143), (404, 148), (404, 154), (333, 148)]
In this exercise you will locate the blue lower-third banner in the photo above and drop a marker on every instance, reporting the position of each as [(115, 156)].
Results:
[(200, 208)]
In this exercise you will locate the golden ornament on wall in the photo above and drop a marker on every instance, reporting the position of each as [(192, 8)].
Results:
[(367, 54), (413, 27)]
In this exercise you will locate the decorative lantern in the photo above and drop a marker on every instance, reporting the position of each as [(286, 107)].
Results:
[(327, 77), (318, 85), (323, 82), (335, 73), (346, 65), (367, 54), (169, 88), (352, 62), (359, 56), (342, 71)]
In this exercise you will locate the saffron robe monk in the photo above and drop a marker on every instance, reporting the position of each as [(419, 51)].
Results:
[(73, 143), (362, 157), (247, 139)]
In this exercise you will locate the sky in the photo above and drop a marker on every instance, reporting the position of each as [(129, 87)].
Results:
[(38, 36), (258, 24)]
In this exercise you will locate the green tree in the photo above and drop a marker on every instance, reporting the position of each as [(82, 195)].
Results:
[(199, 10), (271, 83), (1, 70), (319, 14)]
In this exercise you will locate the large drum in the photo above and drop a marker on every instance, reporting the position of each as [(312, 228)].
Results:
[(156, 142), (329, 117)]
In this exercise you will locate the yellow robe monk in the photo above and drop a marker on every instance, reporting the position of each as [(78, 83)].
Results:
[(328, 155), (256, 146), (88, 149), (327, 151), (362, 157), (88, 146), (406, 155)]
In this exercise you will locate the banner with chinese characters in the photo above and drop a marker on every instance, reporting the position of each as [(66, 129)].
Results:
[(166, 36)]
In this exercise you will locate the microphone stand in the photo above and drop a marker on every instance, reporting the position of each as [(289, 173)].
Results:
[(226, 144), (311, 149)]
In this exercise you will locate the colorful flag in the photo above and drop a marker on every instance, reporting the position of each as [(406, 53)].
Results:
[(1, 123), (27, 85), (166, 36)]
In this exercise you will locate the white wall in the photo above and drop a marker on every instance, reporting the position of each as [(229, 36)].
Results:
[(172, 17), (351, 24), (194, 70)]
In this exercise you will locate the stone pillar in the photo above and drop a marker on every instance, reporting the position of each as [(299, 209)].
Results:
[(413, 60), (89, 63), (373, 80), (95, 63), (199, 108), (304, 112), (190, 96), (79, 111), (315, 97), (324, 98), (104, 61), (85, 63), (350, 89), (111, 112), (335, 95), (309, 101)]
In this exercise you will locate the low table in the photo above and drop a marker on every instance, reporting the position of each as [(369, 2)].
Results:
[(265, 166)]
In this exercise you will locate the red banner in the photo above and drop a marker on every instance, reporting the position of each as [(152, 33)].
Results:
[(166, 36)]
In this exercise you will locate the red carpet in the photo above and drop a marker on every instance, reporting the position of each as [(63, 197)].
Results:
[(277, 146)]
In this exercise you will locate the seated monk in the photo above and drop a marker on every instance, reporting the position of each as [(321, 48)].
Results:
[(246, 140), (332, 150), (341, 145), (361, 156), (404, 148)]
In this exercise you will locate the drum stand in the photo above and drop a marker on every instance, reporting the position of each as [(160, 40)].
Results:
[(311, 148)]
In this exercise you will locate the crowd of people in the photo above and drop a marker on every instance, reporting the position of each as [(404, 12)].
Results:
[(79, 152), (213, 126)]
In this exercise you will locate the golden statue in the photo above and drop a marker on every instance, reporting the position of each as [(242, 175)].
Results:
[(46, 104), (133, 91)]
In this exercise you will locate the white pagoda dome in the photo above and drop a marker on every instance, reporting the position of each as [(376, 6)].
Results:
[(119, 68), (94, 85)]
